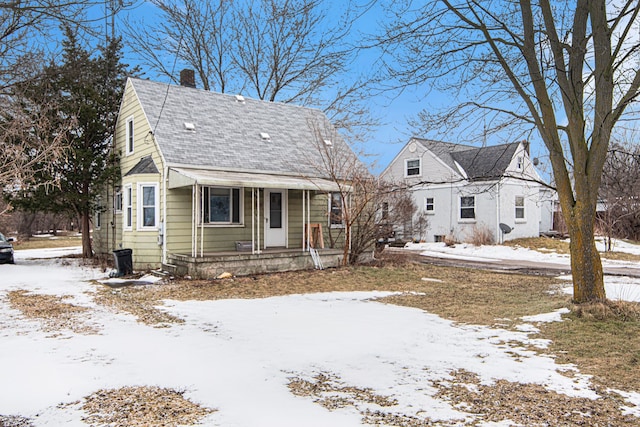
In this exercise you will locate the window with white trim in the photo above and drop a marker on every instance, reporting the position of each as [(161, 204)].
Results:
[(467, 207), (429, 206), (412, 167), (336, 208), (148, 212), (129, 140), (222, 205), (128, 207), (519, 203), (117, 201), (519, 163)]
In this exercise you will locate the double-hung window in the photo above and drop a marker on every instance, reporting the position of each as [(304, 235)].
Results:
[(221, 205), (412, 167), (148, 212), (128, 207), (429, 205), (129, 140), (519, 203), (467, 207)]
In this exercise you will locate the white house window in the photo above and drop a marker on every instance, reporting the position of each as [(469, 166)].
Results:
[(429, 206), (117, 201), (413, 167), (519, 207), (467, 207), (148, 212), (129, 137), (221, 205), (519, 163), (335, 210), (128, 207)]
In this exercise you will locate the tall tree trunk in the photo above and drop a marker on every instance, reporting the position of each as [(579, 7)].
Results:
[(87, 251), (586, 266)]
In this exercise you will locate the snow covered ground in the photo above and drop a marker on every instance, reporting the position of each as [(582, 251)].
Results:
[(237, 356)]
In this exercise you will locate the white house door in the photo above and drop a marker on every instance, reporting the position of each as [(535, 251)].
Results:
[(275, 216)]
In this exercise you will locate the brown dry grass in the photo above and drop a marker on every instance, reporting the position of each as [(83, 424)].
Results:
[(465, 295), (522, 404), (547, 244), (542, 244), (48, 242), (602, 340), (51, 311), (141, 406)]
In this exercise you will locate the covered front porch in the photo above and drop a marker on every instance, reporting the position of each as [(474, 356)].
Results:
[(249, 223)]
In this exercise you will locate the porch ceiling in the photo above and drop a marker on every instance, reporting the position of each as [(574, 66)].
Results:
[(185, 177)]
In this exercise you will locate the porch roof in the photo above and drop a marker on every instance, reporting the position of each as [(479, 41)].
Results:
[(186, 177)]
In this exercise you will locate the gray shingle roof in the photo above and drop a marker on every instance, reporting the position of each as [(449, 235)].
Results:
[(479, 163), (226, 133)]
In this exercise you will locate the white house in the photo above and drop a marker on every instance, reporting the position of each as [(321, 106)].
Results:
[(462, 189)]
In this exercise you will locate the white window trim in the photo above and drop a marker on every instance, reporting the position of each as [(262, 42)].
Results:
[(342, 202), (406, 168), (475, 211), (524, 210), (127, 207), (225, 224), (128, 137), (140, 207), (432, 211), (519, 163), (118, 194)]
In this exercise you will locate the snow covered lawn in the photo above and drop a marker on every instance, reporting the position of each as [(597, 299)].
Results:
[(326, 359)]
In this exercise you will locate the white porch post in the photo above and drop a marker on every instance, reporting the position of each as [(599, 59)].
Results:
[(253, 220), (308, 220), (201, 222), (194, 211), (304, 217), (258, 219)]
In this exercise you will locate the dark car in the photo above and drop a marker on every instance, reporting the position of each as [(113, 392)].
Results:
[(6, 250)]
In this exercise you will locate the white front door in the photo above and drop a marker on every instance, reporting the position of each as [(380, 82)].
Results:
[(275, 216)]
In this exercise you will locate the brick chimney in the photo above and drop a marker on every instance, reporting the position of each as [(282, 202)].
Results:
[(187, 78)]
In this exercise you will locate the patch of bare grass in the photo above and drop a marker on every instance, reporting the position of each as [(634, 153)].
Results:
[(541, 244), (528, 404), (603, 340), (136, 301), (14, 421), (142, 406), (620, 256), (48, 242), (330, 392), (51, 311)]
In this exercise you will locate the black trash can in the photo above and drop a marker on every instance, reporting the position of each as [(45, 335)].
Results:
[(124, 261)]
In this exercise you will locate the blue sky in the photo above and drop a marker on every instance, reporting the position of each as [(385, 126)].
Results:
[(393, 109)]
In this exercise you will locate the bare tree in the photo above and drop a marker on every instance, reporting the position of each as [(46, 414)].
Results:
[(275, 50), (563, 69), (620, 193), (29, 139)]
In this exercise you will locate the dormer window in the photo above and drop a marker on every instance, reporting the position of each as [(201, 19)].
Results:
[(519, 163)]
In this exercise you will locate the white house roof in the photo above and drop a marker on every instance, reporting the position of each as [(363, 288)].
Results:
[(207, 130)]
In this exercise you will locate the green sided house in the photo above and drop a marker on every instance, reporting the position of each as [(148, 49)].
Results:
[(215, 183)]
